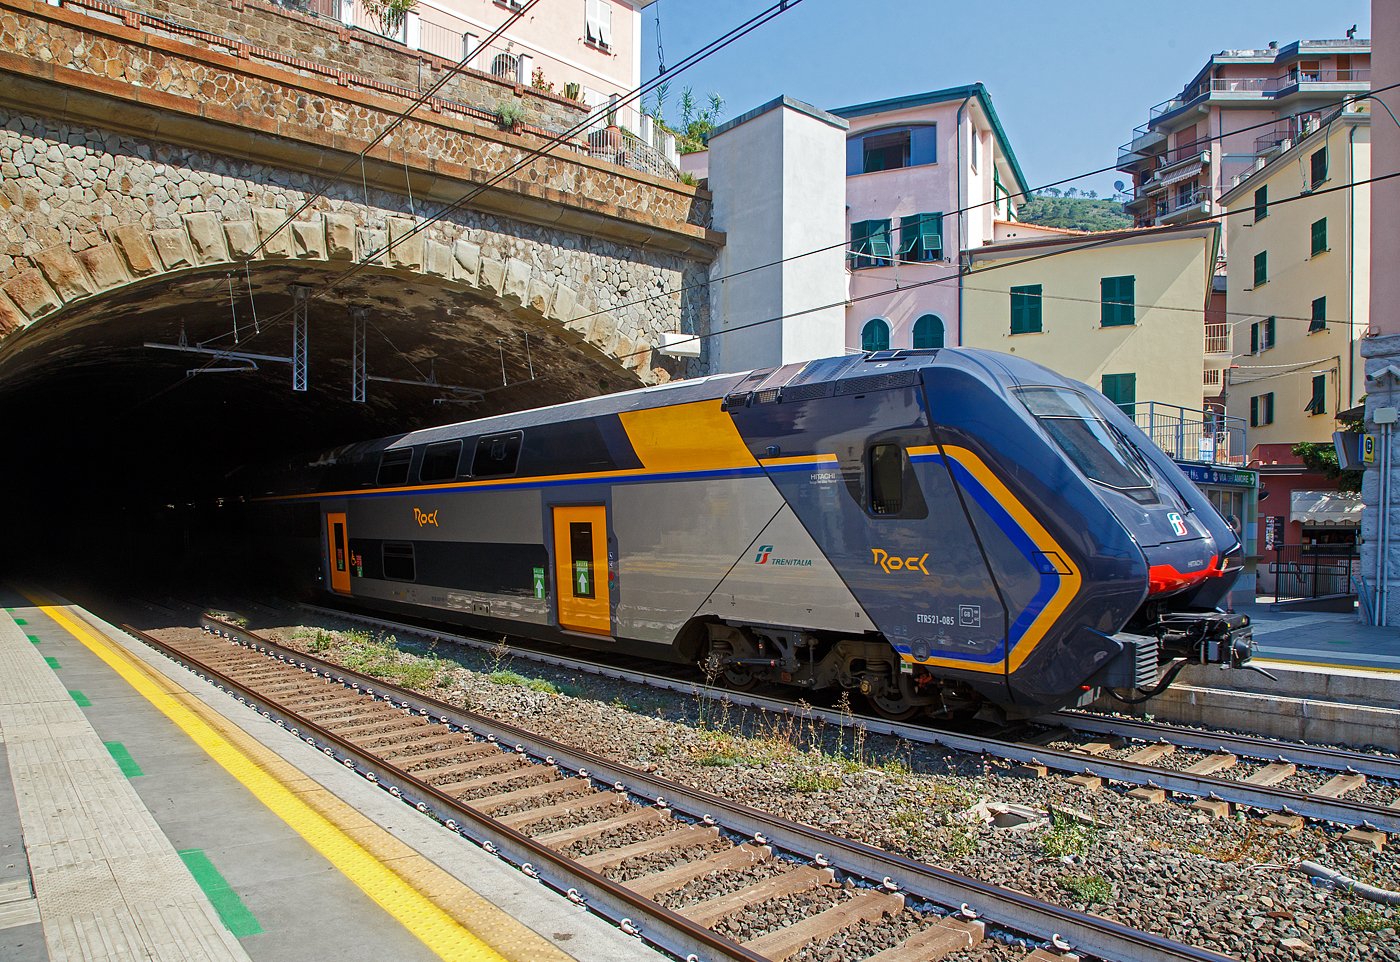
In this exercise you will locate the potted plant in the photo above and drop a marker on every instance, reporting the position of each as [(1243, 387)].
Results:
[(510, 115)]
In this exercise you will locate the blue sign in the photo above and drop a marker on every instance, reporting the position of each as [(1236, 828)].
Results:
[(1201, 474)]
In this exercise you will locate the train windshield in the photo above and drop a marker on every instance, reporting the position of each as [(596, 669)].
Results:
[(1089, 441)]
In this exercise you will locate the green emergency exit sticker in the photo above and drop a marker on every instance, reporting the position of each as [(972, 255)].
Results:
[(539, 582), (581, 578)]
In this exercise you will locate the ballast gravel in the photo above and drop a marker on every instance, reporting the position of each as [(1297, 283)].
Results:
[(1226, 884)]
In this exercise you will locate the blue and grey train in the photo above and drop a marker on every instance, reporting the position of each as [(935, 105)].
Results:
[(951, 532)]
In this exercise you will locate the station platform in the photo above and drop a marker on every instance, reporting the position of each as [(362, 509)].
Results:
[(1325, 639), (146, 814)]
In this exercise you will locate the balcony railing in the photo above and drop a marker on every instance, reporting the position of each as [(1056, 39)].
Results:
[(624, 149), (1218, 339), (1210, 378), (1267, 86), (1184, 434)]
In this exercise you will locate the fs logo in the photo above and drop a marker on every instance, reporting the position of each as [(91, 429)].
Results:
[(764, 550), (425, 517), (913, 563), (1178, 525)]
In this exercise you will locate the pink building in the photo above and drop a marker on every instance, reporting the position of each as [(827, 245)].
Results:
[(589, 50), (1242, 109), (927, 176)]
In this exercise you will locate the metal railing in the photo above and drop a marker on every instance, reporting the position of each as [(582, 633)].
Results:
[(1218, 339), (1185, 152), (1314, 570), (1185, 434), (626, 150), (1180, 200)]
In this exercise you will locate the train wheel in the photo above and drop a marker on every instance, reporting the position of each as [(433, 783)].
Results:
[(739, 680), (894, 709)]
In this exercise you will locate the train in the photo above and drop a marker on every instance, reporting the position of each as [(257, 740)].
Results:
[(952, 532)]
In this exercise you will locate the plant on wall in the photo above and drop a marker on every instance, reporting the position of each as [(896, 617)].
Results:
[(389, 14), (538, 82), (509, 114)]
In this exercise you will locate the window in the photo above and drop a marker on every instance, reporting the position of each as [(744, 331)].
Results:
[(1091, 443), (870, 244), (976, 146), (581, 554), (875, 336), (1117, 307), (1319, 237), (1187, 194), (886, 479), (1319, 167), (440, 462), (393, 466), (1261, 335), (496, 455), (921, 238), (1319, 315), (889, 151), (398, 561), (928, 333), (1318, 404), (1261, 203), (1121, 389), (504, 67), (1261, 268), (597, 15), (1025, 309), (1261, 410)]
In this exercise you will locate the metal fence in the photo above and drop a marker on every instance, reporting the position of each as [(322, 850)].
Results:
[(1187, 435), (1314, 571)]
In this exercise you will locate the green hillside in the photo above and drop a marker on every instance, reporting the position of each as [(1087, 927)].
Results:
[(1074, 213)]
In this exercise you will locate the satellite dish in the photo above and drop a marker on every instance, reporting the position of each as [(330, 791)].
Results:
[(1118, 185)]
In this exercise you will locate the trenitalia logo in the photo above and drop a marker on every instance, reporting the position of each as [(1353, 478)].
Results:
[(889, 563), (425, 517), (764, 557), (764, 550)]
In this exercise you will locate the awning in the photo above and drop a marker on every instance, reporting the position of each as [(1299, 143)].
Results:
[(1185, 173), (1327, 508)]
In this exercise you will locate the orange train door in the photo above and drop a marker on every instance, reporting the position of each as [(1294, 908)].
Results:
[(581, 569), (339, 544)]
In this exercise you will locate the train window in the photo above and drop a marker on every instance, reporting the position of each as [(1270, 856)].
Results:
[(496, 455), (886, 479), (440, 461), (398, 561), (1081, 432), (393, 466)]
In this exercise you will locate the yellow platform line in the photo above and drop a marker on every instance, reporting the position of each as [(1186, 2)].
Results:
[(418, 913), (1325, 664)]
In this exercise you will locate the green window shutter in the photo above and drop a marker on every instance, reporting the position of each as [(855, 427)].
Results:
[(1319, 237), (1025, 309), (1268, 338), (860, 230), (1261, 268), (1254, 338), (1261, 203), (1319, 315), (909, 238), (1269, 408), (1117, 297), (1121, 389), (928, 333), (1319, 167), (880, 240), (931, 236), (1318, 404), (1254, 411), (875, 336)]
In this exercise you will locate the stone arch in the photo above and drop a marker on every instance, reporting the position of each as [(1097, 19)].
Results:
[(62, 277)]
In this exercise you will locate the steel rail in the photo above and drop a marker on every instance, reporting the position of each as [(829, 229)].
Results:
[(1268, 798), (1006, 907), (1249, 746), (660, 926)]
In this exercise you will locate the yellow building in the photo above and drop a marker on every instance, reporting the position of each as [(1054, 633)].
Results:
[(1122, 311), (1299, 282)]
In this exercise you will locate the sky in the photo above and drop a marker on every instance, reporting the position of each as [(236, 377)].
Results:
[(1069, 81)]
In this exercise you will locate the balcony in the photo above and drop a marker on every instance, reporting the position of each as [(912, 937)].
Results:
[(1183, 434), (1183, 207), (1218, 345), (1210, 382)]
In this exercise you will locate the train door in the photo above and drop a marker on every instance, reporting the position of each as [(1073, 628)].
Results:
[(338, 544), (581, 569)]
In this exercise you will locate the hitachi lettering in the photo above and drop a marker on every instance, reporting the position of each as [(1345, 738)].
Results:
[(891, 563)]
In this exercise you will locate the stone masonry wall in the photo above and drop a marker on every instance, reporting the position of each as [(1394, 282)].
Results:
[(65, 189)]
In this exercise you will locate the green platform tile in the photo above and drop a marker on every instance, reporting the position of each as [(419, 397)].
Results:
[(21, 621), (123, 758), (81, 699), (234, 914), (53, 662), (34, 638)]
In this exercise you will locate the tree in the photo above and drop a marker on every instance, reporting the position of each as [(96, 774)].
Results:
[(1322, 459), (389, 14)]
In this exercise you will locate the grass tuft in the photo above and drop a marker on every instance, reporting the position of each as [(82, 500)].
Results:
[(1089, 889)]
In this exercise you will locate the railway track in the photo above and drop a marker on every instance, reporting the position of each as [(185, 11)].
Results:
[(1101, 758), (569, 819)]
